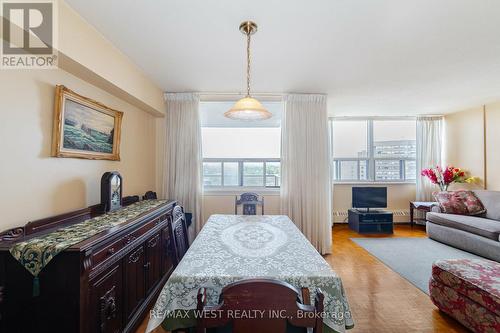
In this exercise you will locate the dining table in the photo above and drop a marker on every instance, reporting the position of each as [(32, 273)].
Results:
[(231, 248)]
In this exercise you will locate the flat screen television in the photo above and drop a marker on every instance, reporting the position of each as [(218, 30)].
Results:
[(369, 197)]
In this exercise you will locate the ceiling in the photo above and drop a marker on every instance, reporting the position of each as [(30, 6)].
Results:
[(386, 57)]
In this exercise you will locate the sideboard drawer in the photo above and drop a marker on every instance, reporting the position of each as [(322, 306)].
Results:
[(130, 238), (107, 252)]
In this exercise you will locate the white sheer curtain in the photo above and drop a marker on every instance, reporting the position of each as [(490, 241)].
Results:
[(182, 166), (429, 151), (305, 165)]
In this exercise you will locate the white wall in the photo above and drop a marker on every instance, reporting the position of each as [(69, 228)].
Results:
[(464, 143), (472, 143), (492, 124), (35, 185)]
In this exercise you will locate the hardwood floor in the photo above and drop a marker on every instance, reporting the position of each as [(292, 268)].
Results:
[(381, 300)]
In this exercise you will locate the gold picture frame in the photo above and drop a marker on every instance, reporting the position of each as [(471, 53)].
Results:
[(84, 128)]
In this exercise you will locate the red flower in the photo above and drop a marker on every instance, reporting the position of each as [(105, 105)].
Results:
[(444, 176), (429, 173), (447, 176)]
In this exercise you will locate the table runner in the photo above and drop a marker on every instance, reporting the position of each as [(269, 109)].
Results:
[(34, 254), (230, 248)]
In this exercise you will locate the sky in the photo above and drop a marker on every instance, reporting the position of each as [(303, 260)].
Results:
[(241, 142), (350, 136)]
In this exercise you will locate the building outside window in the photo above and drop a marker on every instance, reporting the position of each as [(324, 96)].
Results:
[(238, 153), (374, 150)]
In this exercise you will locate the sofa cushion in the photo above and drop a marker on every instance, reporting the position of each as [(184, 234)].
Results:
[(475, 225), (450, 203), (477, 279), (473, 204), (459, 202), (491, 201)]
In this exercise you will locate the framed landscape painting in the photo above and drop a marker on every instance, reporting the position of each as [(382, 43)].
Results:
[(84, 128)]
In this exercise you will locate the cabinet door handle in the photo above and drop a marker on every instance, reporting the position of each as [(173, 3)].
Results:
[(146, 265), (134, 257), (153, 242), (129, 239)]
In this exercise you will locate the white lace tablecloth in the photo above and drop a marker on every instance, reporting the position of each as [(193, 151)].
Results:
[(231, 247)]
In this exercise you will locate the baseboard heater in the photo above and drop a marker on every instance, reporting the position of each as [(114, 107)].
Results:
[(395, 212)]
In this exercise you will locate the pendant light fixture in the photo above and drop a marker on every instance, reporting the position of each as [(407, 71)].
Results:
[(248, 108)]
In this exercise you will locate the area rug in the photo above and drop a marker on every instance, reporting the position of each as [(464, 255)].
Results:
[(411, 258)]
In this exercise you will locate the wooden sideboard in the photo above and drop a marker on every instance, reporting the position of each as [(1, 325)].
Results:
[(105, 284)]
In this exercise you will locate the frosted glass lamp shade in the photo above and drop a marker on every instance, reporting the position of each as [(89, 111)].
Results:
[(248, 108)]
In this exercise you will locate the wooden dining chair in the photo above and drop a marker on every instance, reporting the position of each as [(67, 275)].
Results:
[(179, 233), (273, 304), (249, 202)]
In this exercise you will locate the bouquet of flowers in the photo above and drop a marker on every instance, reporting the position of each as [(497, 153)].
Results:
[(446, 176)]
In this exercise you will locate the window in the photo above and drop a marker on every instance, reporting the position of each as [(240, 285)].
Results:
[(374, 150), (212, 173), (239, 153)]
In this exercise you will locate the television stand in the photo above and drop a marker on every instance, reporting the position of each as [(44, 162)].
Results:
[(370, 221)]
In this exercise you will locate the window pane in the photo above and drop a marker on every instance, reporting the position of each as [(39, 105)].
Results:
[(348, 170), (391, 153), (387, 170), (350, 139), (394, 138), (411, 170), (212, 174), (273, 172), (231, 174), (253, 174)]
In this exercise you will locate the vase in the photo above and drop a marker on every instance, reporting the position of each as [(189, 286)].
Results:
[(443, 187)]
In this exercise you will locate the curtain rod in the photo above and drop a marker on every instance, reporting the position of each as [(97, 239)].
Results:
[(233, 97), (269, 94), (263, 94), (208, 96), (384, 117), (218, 93)]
